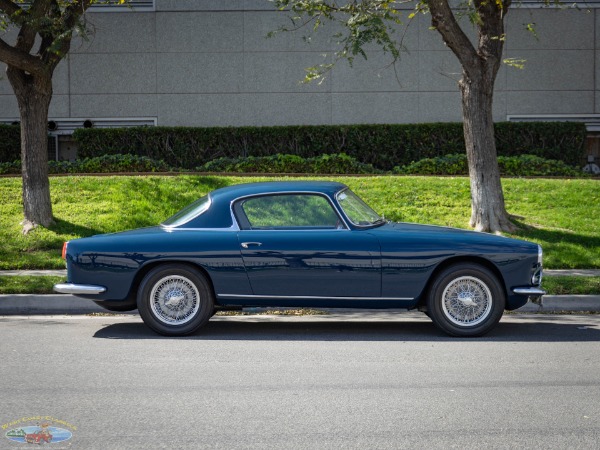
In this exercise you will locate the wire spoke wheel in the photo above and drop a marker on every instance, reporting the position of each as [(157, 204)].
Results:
[(466, 301), (174, 300)]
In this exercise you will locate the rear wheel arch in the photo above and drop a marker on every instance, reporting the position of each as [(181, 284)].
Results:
[(139, 276), (175, 299)]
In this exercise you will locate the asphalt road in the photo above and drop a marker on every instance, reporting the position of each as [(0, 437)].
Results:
[(376, 381)]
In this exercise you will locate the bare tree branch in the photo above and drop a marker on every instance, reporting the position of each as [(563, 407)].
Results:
[(9, 7), (18, 59), (443, 19)]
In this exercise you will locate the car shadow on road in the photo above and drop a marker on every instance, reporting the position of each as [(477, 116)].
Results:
[(530, 328)]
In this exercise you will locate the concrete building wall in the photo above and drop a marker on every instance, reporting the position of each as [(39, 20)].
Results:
[(209, 63)]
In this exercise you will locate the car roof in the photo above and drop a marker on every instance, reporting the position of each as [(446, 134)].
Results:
[(219, 214), (231, 193)]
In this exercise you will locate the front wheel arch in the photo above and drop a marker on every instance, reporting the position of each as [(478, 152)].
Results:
[(466, 299), (422, 303)]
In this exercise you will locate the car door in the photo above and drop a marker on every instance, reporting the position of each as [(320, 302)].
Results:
[(297, 245)]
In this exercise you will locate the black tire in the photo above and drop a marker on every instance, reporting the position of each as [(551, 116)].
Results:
[(175, 300), (117, 306), (466, 300)]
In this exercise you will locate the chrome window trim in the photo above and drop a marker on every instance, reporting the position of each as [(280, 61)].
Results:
[(210, 203), (364, 227), (266, 194)]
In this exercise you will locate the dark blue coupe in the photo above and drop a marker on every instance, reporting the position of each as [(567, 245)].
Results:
[(301, 244)]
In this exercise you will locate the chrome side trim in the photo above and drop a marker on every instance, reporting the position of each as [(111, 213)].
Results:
[(532, 291), (70, 288), (310, 297)]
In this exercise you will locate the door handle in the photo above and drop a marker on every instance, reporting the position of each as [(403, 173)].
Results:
[(251, 244)]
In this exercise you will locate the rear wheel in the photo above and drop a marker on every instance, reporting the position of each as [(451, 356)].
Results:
[(175, 300), (466, 300)]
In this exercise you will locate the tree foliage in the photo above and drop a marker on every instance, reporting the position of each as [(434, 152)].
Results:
[(378, 22), (44, 30)]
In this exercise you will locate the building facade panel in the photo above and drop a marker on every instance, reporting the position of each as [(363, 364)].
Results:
[(9, 109), (375, 107), (201, 110), (59, 106), (439, 71), (281, 72), (546, 70), (199, 73), (127, 32), (114, 105), (192, 31), (5, 87), (199, 5), (209, 63), (567, 102), (440, 106), (118, 73), (378, 73), (552, 29), (287, 109), (258, 24)]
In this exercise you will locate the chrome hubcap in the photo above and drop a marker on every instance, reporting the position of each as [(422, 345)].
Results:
[(467, 301), (174, 300)]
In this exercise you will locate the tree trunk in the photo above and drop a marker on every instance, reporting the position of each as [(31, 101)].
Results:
[(488, 212), (34, 94)]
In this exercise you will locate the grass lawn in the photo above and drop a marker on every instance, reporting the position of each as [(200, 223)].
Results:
[(562, 215)]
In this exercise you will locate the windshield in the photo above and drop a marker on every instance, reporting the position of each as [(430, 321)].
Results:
[(356, 210), (188, 213)]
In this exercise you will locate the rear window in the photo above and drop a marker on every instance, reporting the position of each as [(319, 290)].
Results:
[(188, 213)]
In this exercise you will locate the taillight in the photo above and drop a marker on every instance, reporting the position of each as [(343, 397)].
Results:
[(64, 250)]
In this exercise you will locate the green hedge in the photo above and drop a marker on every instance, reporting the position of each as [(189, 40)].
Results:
[(383, 146), (10, 142), (101, 164), (515, 166), (325, 164), (523, 165)]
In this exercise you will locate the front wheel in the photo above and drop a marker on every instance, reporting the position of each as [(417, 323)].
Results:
[(466, 300), (175, 300)]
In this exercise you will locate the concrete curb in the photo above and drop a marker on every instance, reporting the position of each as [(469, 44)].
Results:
[(59, 304)]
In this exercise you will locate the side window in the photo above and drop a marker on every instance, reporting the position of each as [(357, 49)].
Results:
[(289, 211)]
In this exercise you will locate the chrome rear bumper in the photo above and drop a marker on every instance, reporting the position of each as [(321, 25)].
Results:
[(70, 288)]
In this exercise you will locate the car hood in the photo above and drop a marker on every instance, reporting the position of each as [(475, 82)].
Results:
[(417, 227), (437, 232)]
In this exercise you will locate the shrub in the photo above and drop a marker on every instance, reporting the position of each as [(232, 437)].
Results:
[(102, 164), (455, 164), (531, 165), (324, 164), (523, 165), (383, 146), (10, 143)]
